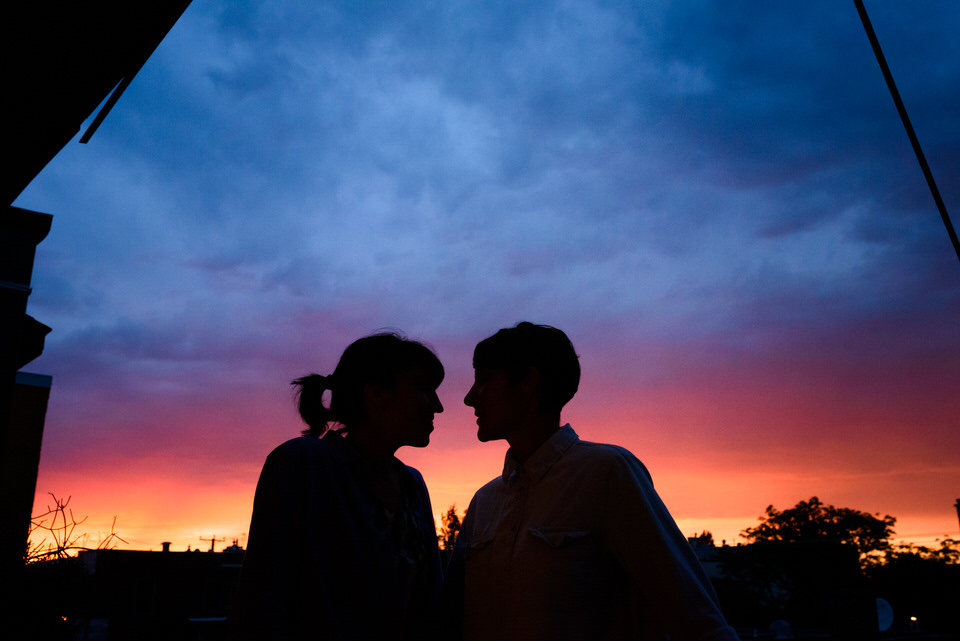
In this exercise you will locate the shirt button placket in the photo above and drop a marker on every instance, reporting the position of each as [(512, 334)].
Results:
[(519, 509)]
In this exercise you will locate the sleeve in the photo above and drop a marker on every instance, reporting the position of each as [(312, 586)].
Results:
[(266, 597), (429, 528), (646, 541), (451, 596), (433, 575)]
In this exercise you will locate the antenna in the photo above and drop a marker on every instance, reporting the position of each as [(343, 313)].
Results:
[(213, 541)]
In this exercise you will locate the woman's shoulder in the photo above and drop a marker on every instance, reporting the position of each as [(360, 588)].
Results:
[(413, 478), (305, 447), (311, 461), (414, 473), (300, 443)]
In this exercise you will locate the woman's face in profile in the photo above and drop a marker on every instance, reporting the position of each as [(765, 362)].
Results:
[(410, 408)]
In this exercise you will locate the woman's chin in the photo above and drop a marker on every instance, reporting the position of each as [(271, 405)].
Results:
[(420, 442)]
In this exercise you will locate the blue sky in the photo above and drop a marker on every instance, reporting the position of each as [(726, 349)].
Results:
[(716, 201)]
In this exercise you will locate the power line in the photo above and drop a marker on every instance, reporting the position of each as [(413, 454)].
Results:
[(906, 124)]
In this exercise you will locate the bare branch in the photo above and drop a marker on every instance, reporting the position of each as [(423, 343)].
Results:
[(59, 525)]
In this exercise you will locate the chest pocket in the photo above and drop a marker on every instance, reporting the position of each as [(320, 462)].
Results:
[(559, 538), (476, 547), (484, 579), (562, 569)]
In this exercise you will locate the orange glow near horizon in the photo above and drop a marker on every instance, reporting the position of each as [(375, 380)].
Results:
[(720, 450), (152, 507), (186, 516)]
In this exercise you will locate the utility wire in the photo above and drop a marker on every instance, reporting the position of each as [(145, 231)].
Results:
[(906, 124)]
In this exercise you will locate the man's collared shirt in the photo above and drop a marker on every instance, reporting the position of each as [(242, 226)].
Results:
[(575, 544)]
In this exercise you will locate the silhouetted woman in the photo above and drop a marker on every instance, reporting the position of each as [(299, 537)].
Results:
[(342, 542)]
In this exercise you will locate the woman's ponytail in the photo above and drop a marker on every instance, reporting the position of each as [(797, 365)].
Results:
[(310, 403)]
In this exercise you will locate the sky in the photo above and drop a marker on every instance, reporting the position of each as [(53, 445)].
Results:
[(716, 201)]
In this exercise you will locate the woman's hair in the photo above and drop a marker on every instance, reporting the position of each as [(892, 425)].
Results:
[(526, 345), (373, 360)]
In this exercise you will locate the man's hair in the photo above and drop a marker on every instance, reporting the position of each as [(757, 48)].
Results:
[(518, 348)]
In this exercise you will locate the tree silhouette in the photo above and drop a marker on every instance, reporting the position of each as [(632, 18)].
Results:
[(704, 538), (806, 565), (60, 539), (451, 526), (813, 520), (921, 582), (947, 552)]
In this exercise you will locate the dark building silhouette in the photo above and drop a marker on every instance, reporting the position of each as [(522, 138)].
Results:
[(61, 60), (115, 595), (183, 595), (813, 585), (21, 409), (28, 408)]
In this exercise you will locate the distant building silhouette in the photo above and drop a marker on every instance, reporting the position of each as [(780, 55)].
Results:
[(707, 555), (143, 595)]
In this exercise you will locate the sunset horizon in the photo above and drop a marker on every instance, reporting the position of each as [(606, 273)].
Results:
[(712, 496), (718, 204)]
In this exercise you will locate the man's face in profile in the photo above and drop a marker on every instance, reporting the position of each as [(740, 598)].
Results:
[(496, 402)]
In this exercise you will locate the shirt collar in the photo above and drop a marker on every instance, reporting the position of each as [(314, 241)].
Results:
[(340, 448), (543, 459)]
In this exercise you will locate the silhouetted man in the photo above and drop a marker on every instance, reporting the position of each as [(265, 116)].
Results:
[(571, 541)]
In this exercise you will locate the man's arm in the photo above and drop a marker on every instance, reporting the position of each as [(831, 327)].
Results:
[(646, 541)]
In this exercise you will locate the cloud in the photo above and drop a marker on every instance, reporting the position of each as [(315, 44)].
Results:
[(717, 203)]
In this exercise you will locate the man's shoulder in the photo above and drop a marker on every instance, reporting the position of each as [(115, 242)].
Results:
[(493, 486), (588, 457), (492, 493), (602, 452)]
